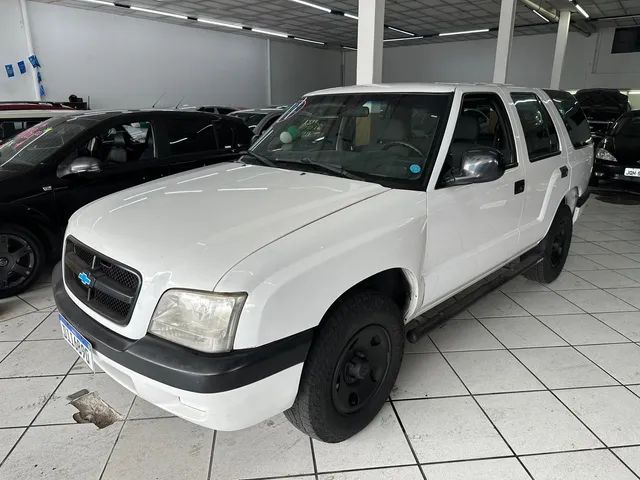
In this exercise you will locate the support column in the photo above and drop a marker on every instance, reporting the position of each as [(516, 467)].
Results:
[(370, 37), (505, 39), (561, 48), (27, 34)]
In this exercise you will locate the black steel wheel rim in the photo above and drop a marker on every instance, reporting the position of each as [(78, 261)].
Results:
[(361, 369), (558, 244), (17, 260)]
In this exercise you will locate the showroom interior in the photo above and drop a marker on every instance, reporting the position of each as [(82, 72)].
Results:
[(530, 378)]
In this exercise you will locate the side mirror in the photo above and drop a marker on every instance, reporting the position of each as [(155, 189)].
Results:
[(79, 166), (478, 165)]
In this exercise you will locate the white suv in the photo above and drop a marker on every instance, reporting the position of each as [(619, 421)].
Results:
[(287, 281)]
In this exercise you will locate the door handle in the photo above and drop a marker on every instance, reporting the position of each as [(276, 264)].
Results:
[(564, 171), (518, 187)]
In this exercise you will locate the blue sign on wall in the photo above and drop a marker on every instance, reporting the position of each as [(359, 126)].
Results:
[(22, 67), (9, 69)]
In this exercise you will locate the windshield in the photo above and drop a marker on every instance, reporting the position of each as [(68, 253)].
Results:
[(33, 146), (384, 138)]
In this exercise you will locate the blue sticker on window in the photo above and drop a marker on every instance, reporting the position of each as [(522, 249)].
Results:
[(415, 168)]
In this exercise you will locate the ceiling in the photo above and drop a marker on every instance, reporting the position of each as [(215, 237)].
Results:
[(422, 17)]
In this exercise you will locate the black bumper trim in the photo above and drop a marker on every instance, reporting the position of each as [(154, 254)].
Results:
[(178, 366), (582, 199)]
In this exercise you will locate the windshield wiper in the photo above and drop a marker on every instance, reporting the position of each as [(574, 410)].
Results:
[(340, 171), (262, 159)]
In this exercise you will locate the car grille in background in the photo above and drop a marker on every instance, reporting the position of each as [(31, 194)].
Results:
[(109, 287)]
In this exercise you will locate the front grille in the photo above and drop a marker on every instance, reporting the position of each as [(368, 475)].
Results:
[(101, 283)]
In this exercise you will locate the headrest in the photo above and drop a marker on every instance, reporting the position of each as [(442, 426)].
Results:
[(467, 128)]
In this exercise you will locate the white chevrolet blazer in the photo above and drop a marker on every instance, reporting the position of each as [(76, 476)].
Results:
[(288, 280)]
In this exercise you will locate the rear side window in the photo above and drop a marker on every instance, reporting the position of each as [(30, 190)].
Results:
[(190, 136), (539, 131), (572, 116), (225, 135)]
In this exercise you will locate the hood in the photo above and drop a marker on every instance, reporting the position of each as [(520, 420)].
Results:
[(602, 104), (190, 229)]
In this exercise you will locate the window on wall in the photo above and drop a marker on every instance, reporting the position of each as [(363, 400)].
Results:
[(539, 132), (626, 40), (572, 116)]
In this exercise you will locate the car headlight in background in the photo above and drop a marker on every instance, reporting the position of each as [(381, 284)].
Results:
[(202, 321), (604, 154)]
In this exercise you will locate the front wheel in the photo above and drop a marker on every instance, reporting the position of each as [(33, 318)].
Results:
[(350, 369), (21, 259), (556, 248)]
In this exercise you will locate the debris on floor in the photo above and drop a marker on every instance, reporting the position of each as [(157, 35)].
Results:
[(92, 409)]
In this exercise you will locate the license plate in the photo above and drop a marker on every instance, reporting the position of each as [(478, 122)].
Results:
[(632, 172), (81, 345)]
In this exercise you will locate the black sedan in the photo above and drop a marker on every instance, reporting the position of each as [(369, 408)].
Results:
[(618, 155), (50, 170)]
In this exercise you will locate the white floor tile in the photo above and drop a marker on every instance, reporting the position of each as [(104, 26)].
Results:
[(619, 246), (13, 307), (272, 448), (592, 235), (544, 303), (563, 367), (160, 448), (614, 260), (577, 263), (22, 398), (519, 332), (630, 456), (41, 297), (402, 473), (426, 375), (536, 422), (6, 348), (424, 345), (381, 444), (627, 323), (25, 360), (569, 281), (620, 360), (496, 304), (581, 329), (494, 469), (616, 426), (607, 279), (596, 465), (18, 328), (492, 372), (631, 234), (47, 330), (596, 301), (58, 409), (463, 335), (143, 409), (522, 284), (632, 273), (588, 248), (8, 438), (44, 453), (629, 295), (447, 429)]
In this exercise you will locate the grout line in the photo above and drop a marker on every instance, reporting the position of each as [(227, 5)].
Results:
[(213, 446), (313, 459), (113, 447), (406, 437)]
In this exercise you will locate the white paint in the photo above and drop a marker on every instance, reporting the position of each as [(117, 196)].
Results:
[(561, 48), (13, 48), (504, 41), (29, 43), (370, 41)]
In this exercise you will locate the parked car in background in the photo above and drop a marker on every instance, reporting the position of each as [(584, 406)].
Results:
[(216, 109), (259, 119), (288, 280), (18, 116), (618, 155), (602, 106), (50, 170)]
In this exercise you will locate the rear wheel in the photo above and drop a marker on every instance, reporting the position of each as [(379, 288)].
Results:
[(21, 259), (351, 367), (556, 248)]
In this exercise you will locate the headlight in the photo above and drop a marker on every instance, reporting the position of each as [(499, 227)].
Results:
[(604, 154), (200, 320)]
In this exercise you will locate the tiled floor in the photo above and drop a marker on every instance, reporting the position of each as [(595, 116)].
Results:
[(532, 382)]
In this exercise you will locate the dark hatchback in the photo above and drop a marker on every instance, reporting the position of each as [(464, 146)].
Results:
[(602, 106), (618, 155), (49, 171)]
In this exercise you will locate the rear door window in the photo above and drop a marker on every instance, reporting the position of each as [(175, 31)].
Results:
[(572, 116), (539, 132), (191, 135)]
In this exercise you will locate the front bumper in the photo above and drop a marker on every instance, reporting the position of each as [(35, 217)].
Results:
[(613, 172), (223, 391)]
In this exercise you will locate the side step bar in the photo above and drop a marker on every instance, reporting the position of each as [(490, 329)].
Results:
[(420, 326)]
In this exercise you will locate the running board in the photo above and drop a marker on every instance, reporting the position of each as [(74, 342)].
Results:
[(420, 326)]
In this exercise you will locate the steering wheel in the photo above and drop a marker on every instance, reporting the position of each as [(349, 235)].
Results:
[(408, 145)]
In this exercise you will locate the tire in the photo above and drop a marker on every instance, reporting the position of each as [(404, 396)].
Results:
[(351, 367), (556, 246), (21, 259)]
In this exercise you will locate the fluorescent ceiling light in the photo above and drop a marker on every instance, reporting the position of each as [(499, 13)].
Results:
[(582, 11), (634, 92), (220, 24), (312, 5), (415, 37), (158, 12), (481, 30), (541, 16), (401, 31), (351, 15), (269, 32), (309, 41), (100, 2)]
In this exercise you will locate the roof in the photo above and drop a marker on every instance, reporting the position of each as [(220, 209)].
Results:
[(39, 113), (33, 105), (400, 88), (260, 110)]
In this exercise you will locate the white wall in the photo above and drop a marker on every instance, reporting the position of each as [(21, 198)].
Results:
[(298, 69), (13, 48)]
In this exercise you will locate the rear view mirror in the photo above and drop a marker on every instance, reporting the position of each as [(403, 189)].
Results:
[(356, 112), (78, 166), (478, 165)]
